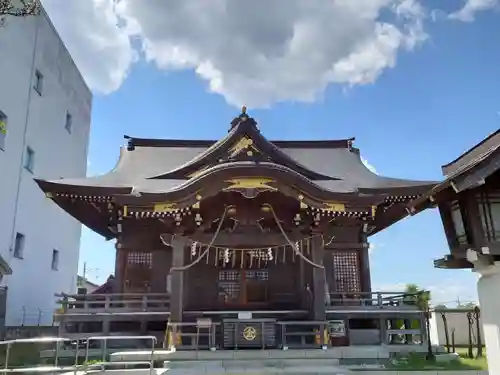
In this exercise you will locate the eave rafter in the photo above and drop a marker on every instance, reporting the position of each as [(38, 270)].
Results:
[(316, 206), (86, 198), (338, 204)]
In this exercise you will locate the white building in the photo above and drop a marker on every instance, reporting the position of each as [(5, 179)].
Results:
[(45, 106)]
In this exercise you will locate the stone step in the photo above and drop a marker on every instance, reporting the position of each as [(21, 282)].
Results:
[(253, 367), (267, 363), (299, 354)]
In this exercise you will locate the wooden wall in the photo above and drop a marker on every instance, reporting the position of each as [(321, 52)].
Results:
[(143, 263)]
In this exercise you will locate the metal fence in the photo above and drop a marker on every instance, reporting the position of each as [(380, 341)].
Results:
[(33, 317), (3, 308)]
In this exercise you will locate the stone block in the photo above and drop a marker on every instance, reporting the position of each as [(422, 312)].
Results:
[(447, 357), (250, 354), (291, 353), (217, 355)]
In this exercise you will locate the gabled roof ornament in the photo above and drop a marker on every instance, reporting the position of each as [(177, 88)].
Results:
[(243, 117)]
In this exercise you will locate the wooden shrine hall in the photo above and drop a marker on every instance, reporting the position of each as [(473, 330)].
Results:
[(250, 239)]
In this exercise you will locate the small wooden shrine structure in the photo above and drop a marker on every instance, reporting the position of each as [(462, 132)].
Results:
[(238, 231), (469, 202)]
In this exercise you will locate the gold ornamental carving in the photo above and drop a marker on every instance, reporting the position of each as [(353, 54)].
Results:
[(165, 207), (250, 183), (198, 172), (249, 333), (243, 144), (334, 206)]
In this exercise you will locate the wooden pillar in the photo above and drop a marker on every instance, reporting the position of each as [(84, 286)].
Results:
[(120, 263), (364, 260), (318, 280), (177, 283), (383, 331), (472, 219), (302, 285)]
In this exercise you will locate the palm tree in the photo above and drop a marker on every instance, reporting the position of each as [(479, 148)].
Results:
[(421, 298)]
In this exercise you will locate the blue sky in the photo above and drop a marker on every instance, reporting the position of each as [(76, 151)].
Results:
[(435, 99)]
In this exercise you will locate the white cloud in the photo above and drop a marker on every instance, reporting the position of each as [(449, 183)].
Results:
[(368, 165), (372, 247), (255, 53), (468, 12), (101, 50)]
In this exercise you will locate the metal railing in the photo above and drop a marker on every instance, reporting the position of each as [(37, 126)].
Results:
[(105, 339), (115, 302), (378, 300), (86, 365), (36, 340)]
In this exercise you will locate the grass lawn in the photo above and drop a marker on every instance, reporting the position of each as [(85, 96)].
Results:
[(415, 362)]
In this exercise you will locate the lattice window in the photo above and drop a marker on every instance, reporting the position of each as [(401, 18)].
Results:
[(229, 291), (229, 275), (346, 271), (262, 254), (143, 259), (260, 275)]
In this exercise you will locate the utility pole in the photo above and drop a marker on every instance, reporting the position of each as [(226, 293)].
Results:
[(87, 270)]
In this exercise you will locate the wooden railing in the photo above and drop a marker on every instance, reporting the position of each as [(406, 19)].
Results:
[(160, 302), (113, 303), (373, 300)]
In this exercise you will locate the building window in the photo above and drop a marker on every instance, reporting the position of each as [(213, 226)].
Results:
[(69, 122), (3, 129), (55, 260), (38, 84), (489, 210), (458, 223), (29, 162), (19, 246)]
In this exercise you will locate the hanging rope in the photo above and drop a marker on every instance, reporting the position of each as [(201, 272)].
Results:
[(209, 246), (296, 248)]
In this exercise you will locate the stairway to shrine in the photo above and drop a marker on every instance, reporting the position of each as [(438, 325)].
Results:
[(298, 361)]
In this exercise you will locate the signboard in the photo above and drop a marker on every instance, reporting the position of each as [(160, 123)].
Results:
[(244, 315), (204, 322), (336, 328)]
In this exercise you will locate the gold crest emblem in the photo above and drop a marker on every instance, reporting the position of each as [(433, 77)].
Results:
[(249, 333)]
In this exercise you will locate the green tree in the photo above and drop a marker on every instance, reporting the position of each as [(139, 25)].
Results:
[(18, 8), (421, 298), (416, 296)]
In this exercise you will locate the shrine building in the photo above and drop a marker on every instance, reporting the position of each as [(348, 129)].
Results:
[(241, 242)]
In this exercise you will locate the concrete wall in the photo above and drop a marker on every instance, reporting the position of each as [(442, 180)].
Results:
[(457, 322), (38, 121)]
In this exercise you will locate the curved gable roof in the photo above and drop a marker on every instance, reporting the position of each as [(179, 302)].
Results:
[(243, 136)]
